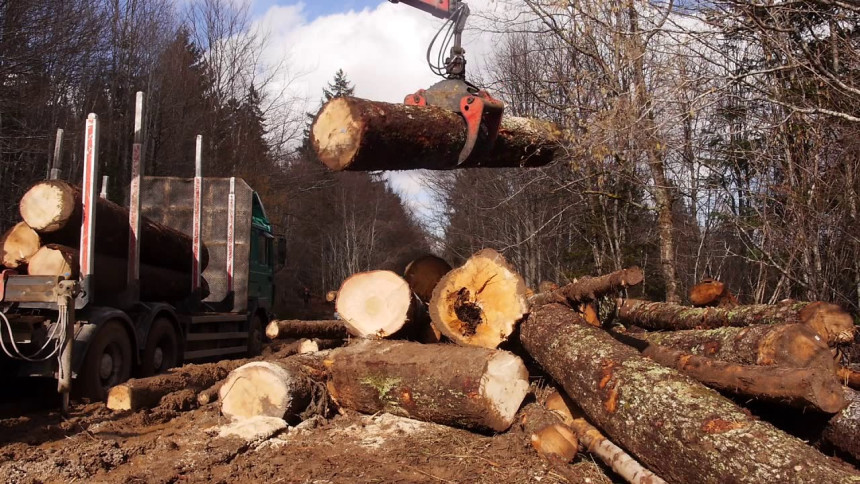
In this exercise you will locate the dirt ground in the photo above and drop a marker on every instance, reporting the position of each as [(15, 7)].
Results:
[(166, 445)]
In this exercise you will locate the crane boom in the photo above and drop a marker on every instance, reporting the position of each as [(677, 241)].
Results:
[(437, 8)]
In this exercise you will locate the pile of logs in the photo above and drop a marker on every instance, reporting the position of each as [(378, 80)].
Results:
[(46, 243), (660, 393)]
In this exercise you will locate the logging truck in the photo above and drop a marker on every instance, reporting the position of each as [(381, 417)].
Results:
[(196, 281)]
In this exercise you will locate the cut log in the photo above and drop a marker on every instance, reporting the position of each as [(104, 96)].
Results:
[(473, 388), (597, 444), (17, 245), (673, 424), (361, 135), (210, 394), (815, 388), (281, 389), (54, 260), (712, 293), (791, 345), (424, 273), (587, 289), (374, 304), (53, 208), (556, 442), (828, 320), (480, 303), (843, 430), (292, 328), (331, 296), (849, 378)]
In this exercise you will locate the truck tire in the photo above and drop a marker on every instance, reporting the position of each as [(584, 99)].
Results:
[(107, 363), (255, 336), (162, 348)]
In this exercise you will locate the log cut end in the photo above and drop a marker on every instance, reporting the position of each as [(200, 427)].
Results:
[(830, 321), (505, 384), (259, 388), (424, 273), (119, 398), (555, 442), (480, 303), (17, 245), (336, 134), (273, 331), (374, 304), (54, 260), (48, 205)]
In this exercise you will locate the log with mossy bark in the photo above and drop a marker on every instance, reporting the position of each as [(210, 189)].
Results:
[(828, 320), (53, 209), (473, 388), (18, 245), (588, 289), (360, 135), (842, 431), (293, 328), (814, 387), (791, 345), (676, 426), (479, 303)]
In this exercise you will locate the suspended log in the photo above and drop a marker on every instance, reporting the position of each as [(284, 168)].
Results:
[(54, 260), (293, 328), (587, 289), (53, 208), (815, 388), (480, 303), (597, 444), (473, 388), (711, 293), (17, 245), (374, 304), (843, 430), (828, 320), (790, 345), (424, 273), (670, 422), (361, 135)]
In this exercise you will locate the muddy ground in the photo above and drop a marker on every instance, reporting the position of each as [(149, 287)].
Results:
[(167, 444)]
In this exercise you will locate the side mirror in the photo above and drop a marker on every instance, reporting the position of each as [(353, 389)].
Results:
[(281, 251)]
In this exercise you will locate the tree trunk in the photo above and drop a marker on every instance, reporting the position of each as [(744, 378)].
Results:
[(374, 304), (292, 328), (681, 429), (480, 303), (423, 274), (790, 345), (360, 135), (17, 245), (711, 293), (828, 320), (815, 387), (473, 388), (53, 208), (843, 430), (54, 260), (587, 289)]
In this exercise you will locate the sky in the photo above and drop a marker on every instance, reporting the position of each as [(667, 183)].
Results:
[(381, 47)]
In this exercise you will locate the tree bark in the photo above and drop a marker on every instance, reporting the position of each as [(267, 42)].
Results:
[(843, 430), (711, 293), (681, 429), (473, 388), (361, 135), (292, 328), (480, 303), (424, 273), (17, 245), (53, 208), (828, 320), (54, 260), (816, 388), (790, 345), (587, 289), (374, 304)]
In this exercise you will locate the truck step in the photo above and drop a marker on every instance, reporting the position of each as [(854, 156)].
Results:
[(215, 336), (192, 355)]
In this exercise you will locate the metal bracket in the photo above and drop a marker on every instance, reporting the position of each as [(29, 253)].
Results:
[(4, 275)]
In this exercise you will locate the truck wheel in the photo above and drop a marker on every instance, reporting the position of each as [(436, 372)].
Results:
[(255, 336), (162, 348), (108, 362)]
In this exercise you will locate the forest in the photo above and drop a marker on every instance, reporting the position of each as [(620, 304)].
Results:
[(702, 138)]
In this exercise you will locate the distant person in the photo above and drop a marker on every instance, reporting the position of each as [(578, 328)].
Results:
[(306, 296)]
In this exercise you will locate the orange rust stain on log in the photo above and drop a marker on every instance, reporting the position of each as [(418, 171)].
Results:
[(711, 347), (406, 399), (720, 426), (684, 360), (606, 372), (611, 403)]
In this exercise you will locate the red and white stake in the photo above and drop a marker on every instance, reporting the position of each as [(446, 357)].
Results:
[(88, 221), (198, 196)]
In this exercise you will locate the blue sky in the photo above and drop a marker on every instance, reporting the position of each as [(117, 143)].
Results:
[(316, 8)]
